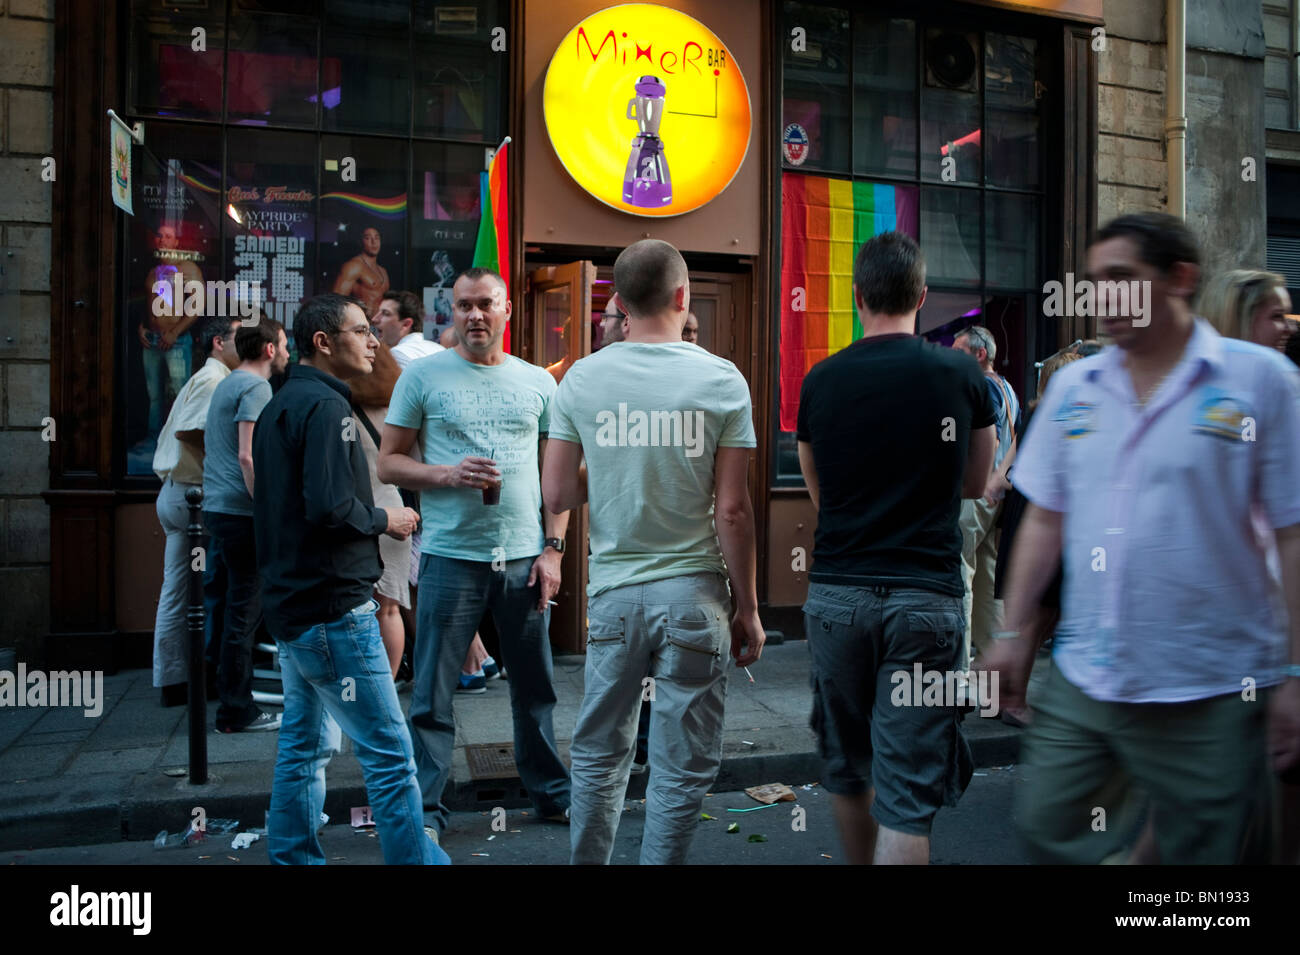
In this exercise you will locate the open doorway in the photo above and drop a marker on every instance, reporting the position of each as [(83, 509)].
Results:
[(562, 307)]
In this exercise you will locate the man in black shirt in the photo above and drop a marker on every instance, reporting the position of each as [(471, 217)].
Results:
[(317, 551), (887, 428)]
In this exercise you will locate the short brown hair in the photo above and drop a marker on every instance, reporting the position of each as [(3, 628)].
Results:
[(889, 274), (646, 274), (251, 339), (408, 306)]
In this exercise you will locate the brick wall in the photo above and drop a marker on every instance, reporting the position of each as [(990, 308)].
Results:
[(1131, 173), (1225, 112), (26, 123)]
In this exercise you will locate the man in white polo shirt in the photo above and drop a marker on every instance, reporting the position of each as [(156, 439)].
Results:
[(399, 324), (178, 462), (1141, 470)]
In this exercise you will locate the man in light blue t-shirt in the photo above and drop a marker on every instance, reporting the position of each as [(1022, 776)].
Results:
[(481, 417), (667, 430), (228, 515)]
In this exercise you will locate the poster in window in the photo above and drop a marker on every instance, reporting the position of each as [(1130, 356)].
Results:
[(270, 207), (362, 227), (171, 245), (445, 219)]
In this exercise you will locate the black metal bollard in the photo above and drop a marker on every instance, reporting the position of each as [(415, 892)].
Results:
[(195, 617)]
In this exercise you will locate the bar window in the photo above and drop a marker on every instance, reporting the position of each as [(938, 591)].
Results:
[(173, 248), (179, 60), (884, 97), (816, 105), (460, 80), (371, 45)]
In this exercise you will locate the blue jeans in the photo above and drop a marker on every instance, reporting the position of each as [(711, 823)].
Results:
[(453, 597), (337, 674)]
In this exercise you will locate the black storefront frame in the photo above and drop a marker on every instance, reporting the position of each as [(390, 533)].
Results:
[(127, 39), (1057, 48)]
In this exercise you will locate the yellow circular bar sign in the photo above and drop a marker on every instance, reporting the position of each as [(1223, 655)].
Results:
[(647, 109)]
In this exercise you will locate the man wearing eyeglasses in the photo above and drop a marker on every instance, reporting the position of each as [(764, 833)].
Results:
[(481, 416), (317, 551), (613, 323)]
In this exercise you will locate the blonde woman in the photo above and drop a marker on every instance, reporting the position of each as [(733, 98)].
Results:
[(1252, 306), (1249, 305)]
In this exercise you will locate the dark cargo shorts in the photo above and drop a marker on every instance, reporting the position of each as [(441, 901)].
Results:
[(871, 728)]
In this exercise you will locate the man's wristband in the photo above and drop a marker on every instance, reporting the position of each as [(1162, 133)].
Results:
[(1005, 634)]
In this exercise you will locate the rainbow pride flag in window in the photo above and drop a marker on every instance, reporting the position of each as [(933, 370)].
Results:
[(823, 222)]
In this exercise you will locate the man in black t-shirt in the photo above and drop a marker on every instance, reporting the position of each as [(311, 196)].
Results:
[(893, 433)]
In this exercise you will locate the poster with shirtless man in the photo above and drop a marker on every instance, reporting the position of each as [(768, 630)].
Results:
[(362, 276), (171, 247), (361, 233)]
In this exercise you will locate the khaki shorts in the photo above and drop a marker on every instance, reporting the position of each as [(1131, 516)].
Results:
[(1201, 763)]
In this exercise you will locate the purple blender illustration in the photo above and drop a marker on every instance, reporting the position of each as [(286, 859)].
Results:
[(646, 183)]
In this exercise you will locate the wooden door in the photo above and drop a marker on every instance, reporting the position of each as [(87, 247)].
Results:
[(558, 333)]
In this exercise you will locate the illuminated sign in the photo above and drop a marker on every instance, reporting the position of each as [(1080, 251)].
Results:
[(647, 109)]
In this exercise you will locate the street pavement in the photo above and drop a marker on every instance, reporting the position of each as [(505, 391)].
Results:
[(68, 779), (978, 831)]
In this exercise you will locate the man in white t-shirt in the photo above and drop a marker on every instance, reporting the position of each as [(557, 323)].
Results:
[(399, 324), (667, 431), (178, 462)]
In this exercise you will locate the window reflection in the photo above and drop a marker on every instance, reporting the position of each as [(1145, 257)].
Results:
[(816, 91), (950, 107), (174, 240), (371, 44), (1013, 96), (172, 78), (459, 78), (272, 71), (884, 96)]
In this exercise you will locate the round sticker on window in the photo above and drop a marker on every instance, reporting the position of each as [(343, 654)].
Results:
[(795, 144)]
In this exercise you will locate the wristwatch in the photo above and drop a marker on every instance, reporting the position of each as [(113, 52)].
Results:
[(555, 543)]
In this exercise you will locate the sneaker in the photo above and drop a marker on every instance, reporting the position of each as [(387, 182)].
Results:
[(637, 768), (471, 683), (560, 817), (432, 833), (264, 722), (490, 670)]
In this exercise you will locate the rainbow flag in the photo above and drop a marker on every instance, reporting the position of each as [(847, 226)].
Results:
[(492, 249), (824, 221)]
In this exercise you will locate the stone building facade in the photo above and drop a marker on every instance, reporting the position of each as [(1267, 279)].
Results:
[(26, 138)]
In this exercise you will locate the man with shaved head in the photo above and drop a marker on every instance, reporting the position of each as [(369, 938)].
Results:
[(479, 419), (666, 429)]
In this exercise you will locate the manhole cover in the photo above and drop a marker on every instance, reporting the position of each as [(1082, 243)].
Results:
[(491, 760)]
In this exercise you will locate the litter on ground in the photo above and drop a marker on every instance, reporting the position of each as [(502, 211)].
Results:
[(772, 793)]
